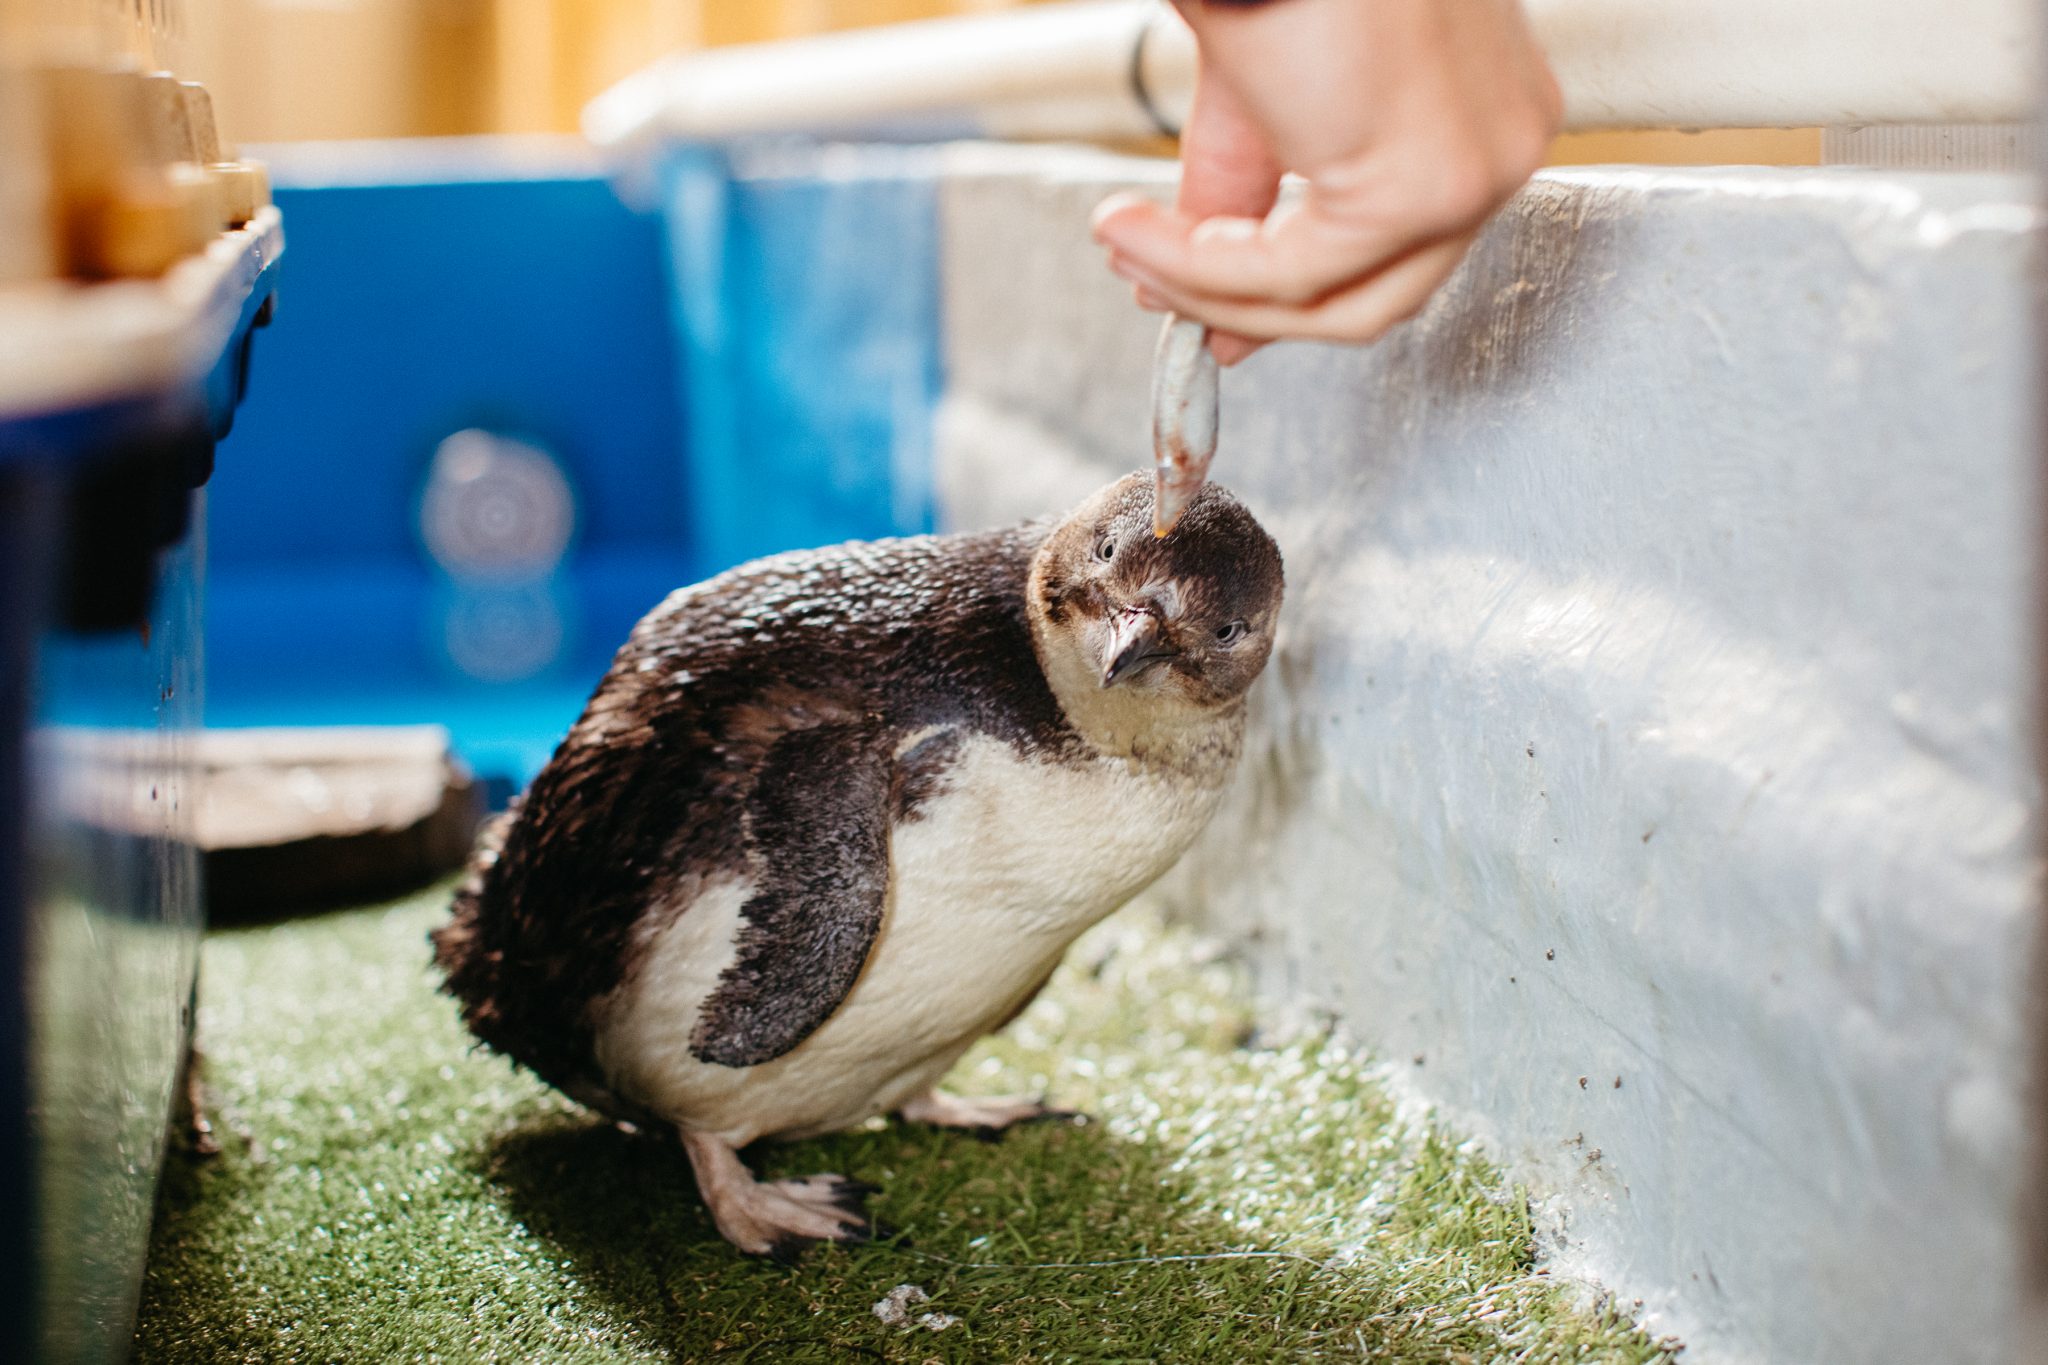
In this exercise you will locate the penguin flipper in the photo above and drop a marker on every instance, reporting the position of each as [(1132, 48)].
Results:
[(818, 824)]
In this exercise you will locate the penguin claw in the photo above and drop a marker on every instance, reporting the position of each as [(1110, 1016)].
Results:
[(996, 1132), (986, 1119), (850, 1196), (788, 1250), (825, 1208), (778, 1219)]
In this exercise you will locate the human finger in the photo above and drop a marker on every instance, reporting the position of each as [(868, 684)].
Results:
[(1226, 167), (1231, 347), (1294, 256), (1226, 164), (1363, 312), (1227, 347)]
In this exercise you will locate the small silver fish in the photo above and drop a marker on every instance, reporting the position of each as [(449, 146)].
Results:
[(1184, 382)]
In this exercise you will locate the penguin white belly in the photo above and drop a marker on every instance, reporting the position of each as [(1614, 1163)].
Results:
[(991, 880)]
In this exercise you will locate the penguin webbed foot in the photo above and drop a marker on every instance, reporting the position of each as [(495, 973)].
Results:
[(844, 1203), (987, 1117), (780, 1219)]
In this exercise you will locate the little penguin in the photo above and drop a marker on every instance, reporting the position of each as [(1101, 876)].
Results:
[(834, 815)]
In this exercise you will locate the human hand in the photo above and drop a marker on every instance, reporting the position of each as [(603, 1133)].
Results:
[(1411, 121)]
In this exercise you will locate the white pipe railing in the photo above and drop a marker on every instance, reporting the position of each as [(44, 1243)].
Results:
[(1117, 68), (1791, 63), (1045, 70)]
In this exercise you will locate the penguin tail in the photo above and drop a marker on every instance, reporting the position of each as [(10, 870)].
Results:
[(469, 965)]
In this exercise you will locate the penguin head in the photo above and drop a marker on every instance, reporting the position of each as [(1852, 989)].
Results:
[(1181, 620)]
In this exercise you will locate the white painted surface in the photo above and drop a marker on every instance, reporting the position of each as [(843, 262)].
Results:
[(1772, 64), (1649, 707)]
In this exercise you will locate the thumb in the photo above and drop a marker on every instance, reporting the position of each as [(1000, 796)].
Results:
[(1226, 171), (1227, 168)]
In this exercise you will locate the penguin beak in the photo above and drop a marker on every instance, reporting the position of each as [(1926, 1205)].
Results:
[(1137, 640)]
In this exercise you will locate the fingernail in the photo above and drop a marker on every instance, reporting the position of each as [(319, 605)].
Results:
[(1110, 207), (1123, 267), (1225, 230), (1150, 300)]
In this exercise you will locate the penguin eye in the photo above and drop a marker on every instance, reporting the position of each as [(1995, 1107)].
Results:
[(1231, 633), (1105, 549)]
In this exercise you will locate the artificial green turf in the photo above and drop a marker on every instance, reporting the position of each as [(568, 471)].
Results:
[(387, 1194)]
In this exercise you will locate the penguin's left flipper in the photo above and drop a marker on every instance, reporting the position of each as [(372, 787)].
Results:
[(986, 1117), (778, 1218), (818, 823)]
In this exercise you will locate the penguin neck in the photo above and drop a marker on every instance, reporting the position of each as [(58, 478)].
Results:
[(1149, 727)]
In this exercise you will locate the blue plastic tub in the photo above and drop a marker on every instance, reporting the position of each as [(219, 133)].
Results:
[(749, 370), (102, 546)]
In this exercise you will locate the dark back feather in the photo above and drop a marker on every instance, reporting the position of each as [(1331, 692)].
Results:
[(644, 798)]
